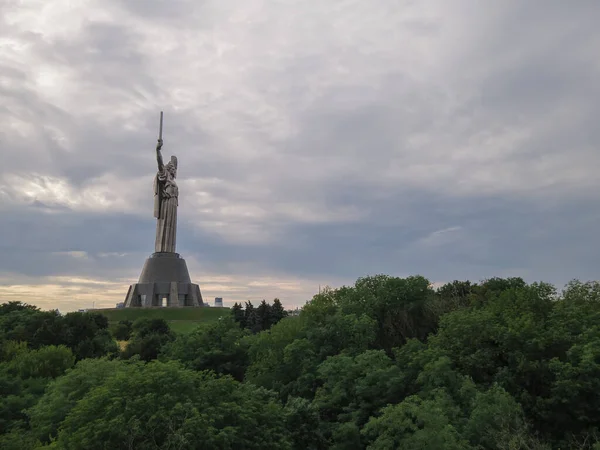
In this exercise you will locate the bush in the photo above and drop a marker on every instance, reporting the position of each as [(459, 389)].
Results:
[(123, 330)]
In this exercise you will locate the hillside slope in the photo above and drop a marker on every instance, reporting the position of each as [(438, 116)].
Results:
[(180, 319)]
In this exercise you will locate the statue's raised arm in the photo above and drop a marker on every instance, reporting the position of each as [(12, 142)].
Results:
[(159, 159)]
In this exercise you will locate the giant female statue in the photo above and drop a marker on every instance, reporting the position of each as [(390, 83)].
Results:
[(166, 201), (165, 279)]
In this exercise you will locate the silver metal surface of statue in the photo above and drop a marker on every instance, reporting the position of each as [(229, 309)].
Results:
[(166, 200), (165, 280)]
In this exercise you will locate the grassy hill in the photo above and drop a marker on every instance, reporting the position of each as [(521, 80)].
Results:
[(181, 320)]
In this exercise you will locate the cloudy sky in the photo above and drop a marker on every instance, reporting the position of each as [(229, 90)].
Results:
[(318, 142)]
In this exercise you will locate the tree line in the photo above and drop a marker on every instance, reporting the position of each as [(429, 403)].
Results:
[(260, 318), (387, 363)]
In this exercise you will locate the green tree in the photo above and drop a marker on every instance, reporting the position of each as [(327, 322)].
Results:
[(87, 335), (147, 347), (524, 341), (63, 393), (250, 320), (279, 357), (123, 330), (18, 439), (277, 312), (263, 317), (149, 338), (163, 405), (385, 363), (23, 380), (499, 285), (218, 346), (10, 349), (145, 326), (45, 362), (399, 307), (37, 328), (416, 424), (452, 296), (341, 332), (237, 312), (494, 416), (353, 388), (574, 399), (10, 307), (303, 425), (16, 395)]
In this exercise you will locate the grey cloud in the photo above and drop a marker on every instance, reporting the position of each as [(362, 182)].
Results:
[(318, 140)]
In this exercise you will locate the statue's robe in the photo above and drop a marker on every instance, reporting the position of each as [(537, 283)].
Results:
[(166, 195)]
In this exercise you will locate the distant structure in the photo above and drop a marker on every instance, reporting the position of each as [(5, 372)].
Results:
[(218, 302), (165, 280)]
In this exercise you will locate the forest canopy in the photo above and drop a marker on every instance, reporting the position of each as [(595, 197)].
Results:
[(388, 363)]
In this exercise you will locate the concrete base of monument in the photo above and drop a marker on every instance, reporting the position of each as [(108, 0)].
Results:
[(165, 281)]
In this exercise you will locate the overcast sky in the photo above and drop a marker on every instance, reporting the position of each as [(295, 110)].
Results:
[(318, 141)]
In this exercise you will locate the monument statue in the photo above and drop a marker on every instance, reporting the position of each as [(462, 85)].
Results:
[(165, 280), (166, 200)]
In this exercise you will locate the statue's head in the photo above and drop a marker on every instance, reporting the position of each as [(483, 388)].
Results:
[(172, 166)]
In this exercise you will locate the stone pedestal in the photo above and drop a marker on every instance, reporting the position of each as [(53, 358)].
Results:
[(165, 281)]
